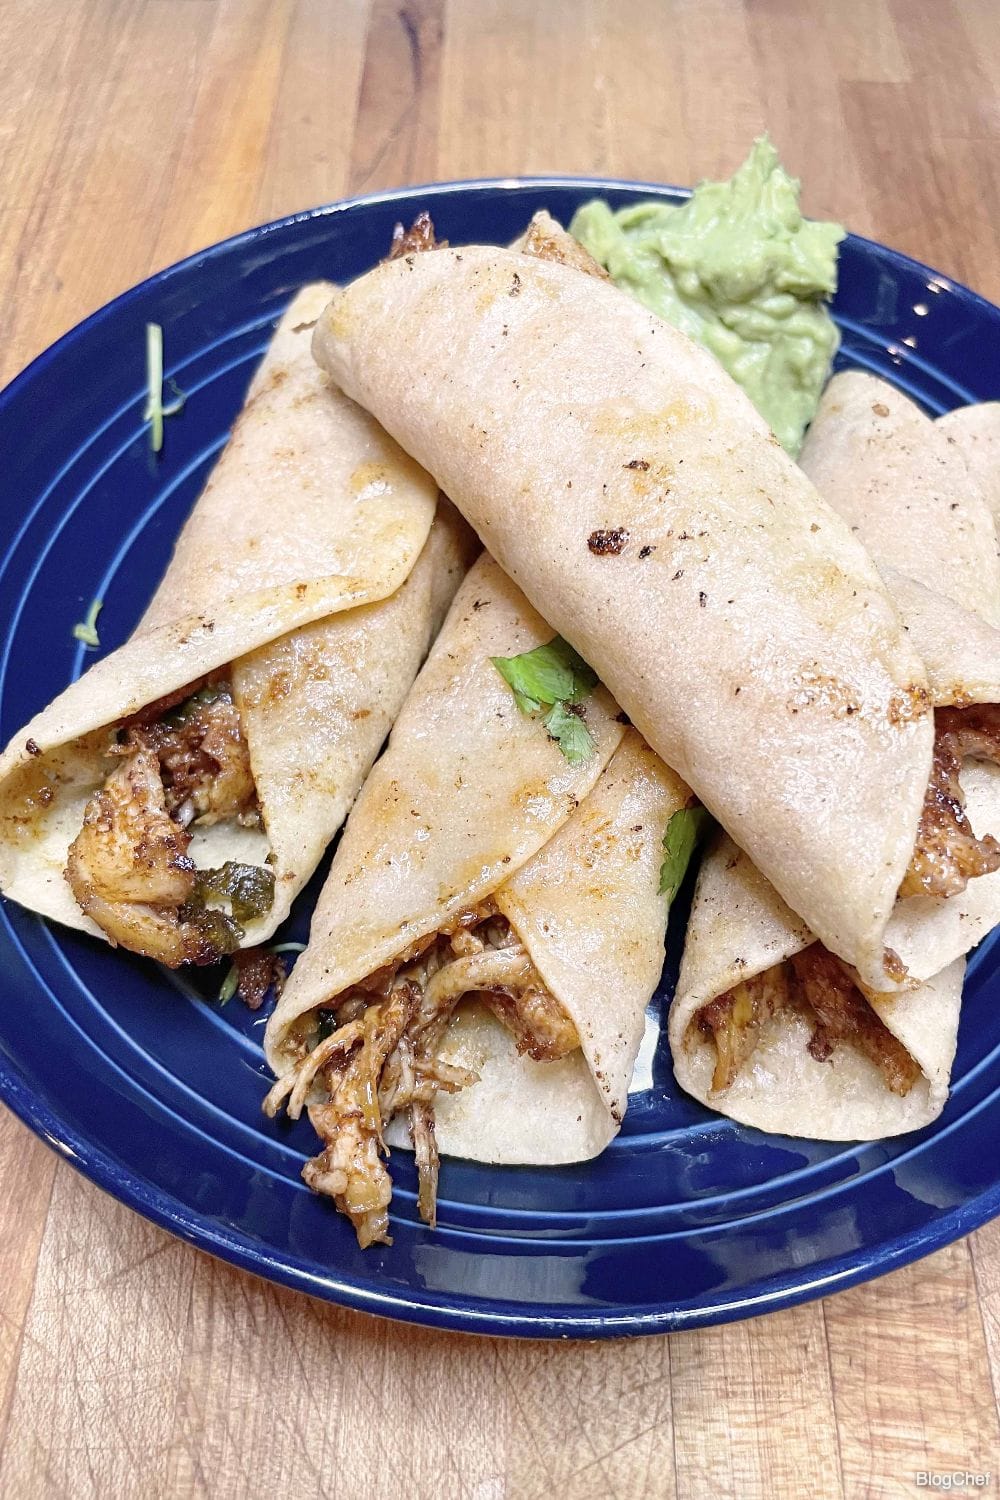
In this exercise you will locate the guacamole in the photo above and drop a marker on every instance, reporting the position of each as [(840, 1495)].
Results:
[(739, 269)]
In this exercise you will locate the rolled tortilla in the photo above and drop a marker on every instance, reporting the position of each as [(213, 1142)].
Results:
[(740, 928), (313, 571), (958, 647), (975, 431), (474, 808), (632, 491), (906, 489), (587, 908)]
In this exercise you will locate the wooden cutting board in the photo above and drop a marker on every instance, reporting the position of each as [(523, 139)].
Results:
[(135, 131)]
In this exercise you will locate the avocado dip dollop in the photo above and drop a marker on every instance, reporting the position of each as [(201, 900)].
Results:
[(739, 269)]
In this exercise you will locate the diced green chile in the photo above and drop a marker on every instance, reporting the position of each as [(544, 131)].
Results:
[(249, 889), (326, 1025), (211, 691), (221, 931)]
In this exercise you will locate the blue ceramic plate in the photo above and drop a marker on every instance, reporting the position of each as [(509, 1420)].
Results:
[(155, 1094)]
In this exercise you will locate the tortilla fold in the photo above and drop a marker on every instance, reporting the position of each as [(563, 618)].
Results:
[(588, 910), (313, 566), (635, 495), (473, 802), (975, 431), (905, 490), (905, 487), (739, 928)]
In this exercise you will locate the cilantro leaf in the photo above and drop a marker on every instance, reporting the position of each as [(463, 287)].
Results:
[(550, 674), (548, 678), (570, 733), (684, 830)]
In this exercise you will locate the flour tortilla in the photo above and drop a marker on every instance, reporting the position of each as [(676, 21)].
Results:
[(742, 628), (960, 651), (473, 800), (975, 431), (905, 489), (894, 475), (309, 563), (740, 927)]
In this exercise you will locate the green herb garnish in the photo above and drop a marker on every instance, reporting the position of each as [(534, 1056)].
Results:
[(155, 411), (230, 985), (544, 681), (86, 631), (679, 843), (570, 733), (550, 674), (249, 889)]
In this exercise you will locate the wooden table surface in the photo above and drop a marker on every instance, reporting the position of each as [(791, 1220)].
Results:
[(135, 131)]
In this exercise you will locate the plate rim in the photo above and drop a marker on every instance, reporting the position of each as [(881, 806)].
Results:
[(459, 1313), (254, 232), (439, 1309)]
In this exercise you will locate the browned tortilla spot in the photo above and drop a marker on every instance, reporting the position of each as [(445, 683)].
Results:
[(608, 543)]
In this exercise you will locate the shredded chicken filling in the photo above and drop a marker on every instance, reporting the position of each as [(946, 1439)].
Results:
[(180, 762), (377, 1053), (819, 987), (420, 236), (547, 240), (259, 972), (948, 854)]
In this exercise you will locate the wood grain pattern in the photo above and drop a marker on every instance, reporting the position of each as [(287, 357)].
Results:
[(775, 1372), (135, 131), (892, 1391)]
